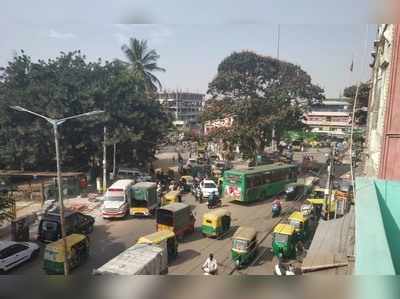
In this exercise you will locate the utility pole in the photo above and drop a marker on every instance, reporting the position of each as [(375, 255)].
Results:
[(105, 160), (328, 192), (115, 160), (277, 57)]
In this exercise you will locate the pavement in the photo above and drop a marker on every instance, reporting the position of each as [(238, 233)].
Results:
[(111, 237)]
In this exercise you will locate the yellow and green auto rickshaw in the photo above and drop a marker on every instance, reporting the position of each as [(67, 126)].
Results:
[(301, 224), (171, 197), (284, 241), (244, 246), (163, 238), (216, 223), (77, 253)]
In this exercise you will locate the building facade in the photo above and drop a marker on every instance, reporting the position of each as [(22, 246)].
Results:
[(185, 107), (384, 96), (332, 117)]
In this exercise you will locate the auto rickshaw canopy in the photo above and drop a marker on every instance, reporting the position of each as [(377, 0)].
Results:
[(315, 201), (284, 229), (71, 240), (218, 213), (245, 233), (172, 194), (156, 237), (297, 216)]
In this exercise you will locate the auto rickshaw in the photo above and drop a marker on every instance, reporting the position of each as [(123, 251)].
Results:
[(284, 241), (163, 239), (187, 182), (77, 253), (216, 223), (301, 224), (171, 197), (244, 246)]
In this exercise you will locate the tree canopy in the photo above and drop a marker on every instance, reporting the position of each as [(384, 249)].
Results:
[(362, 101), (69, 85), (143, 62), (262, 92)]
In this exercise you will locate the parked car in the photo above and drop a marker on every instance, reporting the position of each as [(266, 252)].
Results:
[(208, 186), (75, 222), (13, 254)]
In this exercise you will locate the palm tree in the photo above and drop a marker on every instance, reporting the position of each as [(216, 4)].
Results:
[(143, 62)]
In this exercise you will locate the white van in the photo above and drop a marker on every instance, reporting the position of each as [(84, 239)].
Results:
[(116, 199)]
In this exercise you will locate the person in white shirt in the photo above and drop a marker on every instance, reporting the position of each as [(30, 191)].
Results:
[(210, 266)]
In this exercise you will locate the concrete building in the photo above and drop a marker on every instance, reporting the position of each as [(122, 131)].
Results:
[(332, 117), (377, 195), (211, 125), (379, 97), (184, 106)]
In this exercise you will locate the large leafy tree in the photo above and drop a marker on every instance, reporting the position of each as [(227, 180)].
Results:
[(263, 93), (362, 101), (143, 62), (69, 85)]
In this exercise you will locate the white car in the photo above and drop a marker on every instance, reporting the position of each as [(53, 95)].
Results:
[(13, 254), (207, 187)]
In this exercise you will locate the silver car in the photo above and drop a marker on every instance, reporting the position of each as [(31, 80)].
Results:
[(13, 254)]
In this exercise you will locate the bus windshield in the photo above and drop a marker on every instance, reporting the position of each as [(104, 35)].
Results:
[(165, 217)]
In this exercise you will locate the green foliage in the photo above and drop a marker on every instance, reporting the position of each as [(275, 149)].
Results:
[(69, 85), (362, 101), (262, 93), (143, 62)]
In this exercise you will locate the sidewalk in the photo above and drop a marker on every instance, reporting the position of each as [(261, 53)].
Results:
[(33, 209)]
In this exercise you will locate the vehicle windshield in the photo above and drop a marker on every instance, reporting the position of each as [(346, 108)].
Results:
[(139, 194), (318, 194), (139, 203), (165, 217), (295, 223), (114, 198), (209, 185), (239, 244), (281, 238), (49, 225)]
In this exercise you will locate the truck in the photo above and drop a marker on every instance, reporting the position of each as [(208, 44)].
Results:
[(140, 259)]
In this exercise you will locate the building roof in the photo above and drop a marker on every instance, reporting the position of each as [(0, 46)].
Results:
[(284, 229), (245, 232), (256, 169)]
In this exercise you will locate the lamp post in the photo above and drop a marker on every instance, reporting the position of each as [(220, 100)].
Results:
[(55, 123)]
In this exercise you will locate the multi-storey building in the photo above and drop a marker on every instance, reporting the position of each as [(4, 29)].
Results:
[(185, 107), (332, 117)]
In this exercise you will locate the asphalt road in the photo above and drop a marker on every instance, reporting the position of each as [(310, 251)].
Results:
[(111, 237)]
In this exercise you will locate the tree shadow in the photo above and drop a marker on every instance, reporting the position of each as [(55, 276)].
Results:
[(184, 256)]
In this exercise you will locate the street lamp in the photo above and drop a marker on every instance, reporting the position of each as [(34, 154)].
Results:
[(55, 123)]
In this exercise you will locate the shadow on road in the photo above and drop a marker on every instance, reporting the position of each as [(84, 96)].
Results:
[(184, 256), (266, 257)]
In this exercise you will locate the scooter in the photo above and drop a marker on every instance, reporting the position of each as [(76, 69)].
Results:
[(281, 270)]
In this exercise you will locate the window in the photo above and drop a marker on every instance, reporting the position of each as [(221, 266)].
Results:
[(280, 238), (239, 244), (49, 225)]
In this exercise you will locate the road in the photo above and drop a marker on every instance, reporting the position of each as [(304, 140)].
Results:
[(111, 237)]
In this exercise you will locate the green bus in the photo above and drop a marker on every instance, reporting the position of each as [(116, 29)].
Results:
[(257, 183)]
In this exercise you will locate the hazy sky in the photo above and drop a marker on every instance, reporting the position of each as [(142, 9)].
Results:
[(194, 37)]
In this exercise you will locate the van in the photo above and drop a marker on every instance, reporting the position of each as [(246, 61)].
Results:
[(116, 199), (75, 223)]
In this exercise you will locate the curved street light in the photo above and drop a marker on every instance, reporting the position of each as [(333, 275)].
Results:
[(55, 123)]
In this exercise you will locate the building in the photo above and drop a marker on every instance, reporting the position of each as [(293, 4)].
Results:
[(380, 99), (377, 195), (211, 125), (185, 107), (332, 117)]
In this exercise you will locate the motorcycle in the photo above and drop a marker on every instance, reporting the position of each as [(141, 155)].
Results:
[(214, 202)]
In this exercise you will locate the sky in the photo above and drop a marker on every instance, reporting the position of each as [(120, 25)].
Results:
[(193, 38)]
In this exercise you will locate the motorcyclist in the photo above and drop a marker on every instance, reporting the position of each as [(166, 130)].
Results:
[(210, 266), (276, 207), (212, 199)]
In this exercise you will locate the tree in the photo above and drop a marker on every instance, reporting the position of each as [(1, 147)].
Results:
[(69, 85), (362, 101), (143, 62), (263, 93)]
